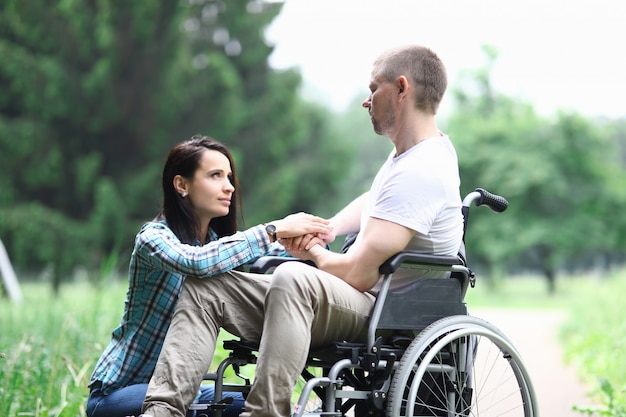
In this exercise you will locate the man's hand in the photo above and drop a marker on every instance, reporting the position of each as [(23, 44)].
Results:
[(299, 246), (328, 237), (379, 240)]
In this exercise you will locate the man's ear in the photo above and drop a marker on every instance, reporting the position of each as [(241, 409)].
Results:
[(403, 87)]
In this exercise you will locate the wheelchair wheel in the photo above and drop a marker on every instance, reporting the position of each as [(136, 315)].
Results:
[(461, 366), (314, 404)]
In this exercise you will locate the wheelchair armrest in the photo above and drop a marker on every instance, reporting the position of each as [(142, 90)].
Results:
[(266, 264), (415, 258)]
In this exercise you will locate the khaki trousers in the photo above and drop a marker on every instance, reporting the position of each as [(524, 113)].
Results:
[(296, 308)]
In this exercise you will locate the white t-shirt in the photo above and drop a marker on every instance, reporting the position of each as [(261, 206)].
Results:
[(419, 189)]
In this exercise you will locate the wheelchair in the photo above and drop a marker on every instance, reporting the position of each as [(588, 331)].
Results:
[(424, 355)]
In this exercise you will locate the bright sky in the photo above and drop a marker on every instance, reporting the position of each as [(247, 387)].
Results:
[(557, 54)]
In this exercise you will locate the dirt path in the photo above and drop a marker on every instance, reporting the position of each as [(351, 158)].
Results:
[(535, 335)]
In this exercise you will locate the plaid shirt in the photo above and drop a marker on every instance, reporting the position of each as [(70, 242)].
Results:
[(158, 266)]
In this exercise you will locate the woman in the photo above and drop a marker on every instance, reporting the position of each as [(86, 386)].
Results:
[(195, 234)]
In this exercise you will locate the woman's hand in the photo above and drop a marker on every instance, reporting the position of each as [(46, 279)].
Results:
[(301, 224)]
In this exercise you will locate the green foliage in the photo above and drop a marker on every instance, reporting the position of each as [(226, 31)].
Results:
[(595, 335), (94, 96), (517, 292), (370, 150), (40, 238), (79, 84), (300, 178), (49, 346), (613, 407), (563, 178)]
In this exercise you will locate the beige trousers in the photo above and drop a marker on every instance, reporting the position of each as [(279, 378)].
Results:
[(296, 308)]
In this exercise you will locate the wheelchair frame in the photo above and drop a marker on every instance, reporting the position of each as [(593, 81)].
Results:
[(439, 361)]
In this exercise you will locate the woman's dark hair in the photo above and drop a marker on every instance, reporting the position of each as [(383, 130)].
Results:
[(184, 160)]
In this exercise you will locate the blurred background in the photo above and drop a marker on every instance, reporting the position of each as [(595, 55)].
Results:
[(93, 94)]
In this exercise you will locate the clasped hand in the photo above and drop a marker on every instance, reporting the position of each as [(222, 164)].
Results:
[(299, 232)]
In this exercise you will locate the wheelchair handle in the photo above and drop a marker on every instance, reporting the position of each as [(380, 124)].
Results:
[(482, 197)]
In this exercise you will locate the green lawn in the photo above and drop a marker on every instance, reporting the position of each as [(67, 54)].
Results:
[(49, 345)]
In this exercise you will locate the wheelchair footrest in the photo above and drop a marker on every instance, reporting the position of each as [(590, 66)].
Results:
[(242, 349), (220, 405), (352, 351), (243, 346)]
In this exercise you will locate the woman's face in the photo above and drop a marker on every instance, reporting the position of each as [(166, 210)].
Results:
[(210, 190)]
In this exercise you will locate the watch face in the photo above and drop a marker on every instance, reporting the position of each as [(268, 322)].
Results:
[(270, 228)]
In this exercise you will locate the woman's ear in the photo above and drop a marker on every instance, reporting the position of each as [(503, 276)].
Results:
[(180, 185)]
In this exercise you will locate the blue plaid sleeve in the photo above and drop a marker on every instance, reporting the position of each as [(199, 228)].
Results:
[(159, 247)]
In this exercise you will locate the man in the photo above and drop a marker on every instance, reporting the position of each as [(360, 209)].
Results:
[(414, 203)]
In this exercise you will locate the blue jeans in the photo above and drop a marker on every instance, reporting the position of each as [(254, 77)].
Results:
[(128, 401)]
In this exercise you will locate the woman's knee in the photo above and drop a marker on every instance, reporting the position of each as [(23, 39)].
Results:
[(197, 293)]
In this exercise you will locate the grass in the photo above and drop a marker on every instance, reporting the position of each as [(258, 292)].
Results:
[(595, 341), (517, 292), (49, 345), (593, 335)]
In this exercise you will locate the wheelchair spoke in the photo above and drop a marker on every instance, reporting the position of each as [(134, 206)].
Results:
[(461, 369)]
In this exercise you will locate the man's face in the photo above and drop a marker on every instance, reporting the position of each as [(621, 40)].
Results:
[(379, 104)]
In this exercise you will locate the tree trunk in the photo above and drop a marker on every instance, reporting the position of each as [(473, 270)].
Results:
[(550, 275)]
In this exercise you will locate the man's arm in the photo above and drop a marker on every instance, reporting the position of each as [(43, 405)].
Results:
[(347, 220), (359, 266)]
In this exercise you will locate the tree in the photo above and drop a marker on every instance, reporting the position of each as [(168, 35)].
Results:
[(72, 116), (371, 150), (95, 94), (560, 177)]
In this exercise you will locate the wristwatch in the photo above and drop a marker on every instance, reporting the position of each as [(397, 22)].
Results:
[(271, 230)]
